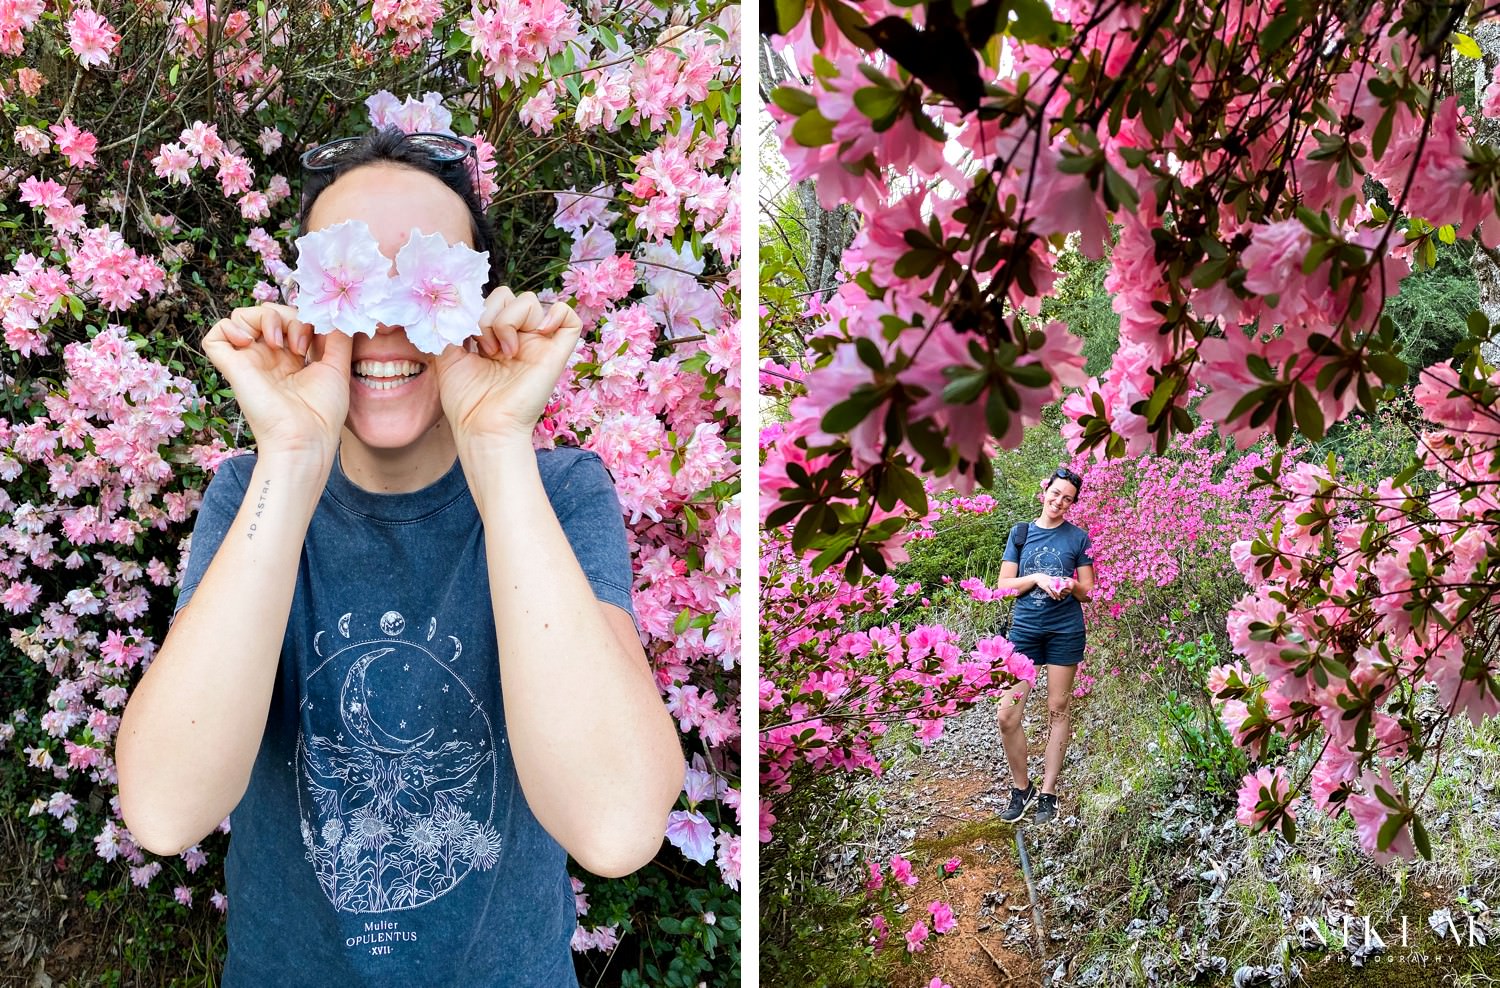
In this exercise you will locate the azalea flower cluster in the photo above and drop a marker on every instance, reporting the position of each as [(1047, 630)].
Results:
[(1153, 518), (829, 694), (972, 183), (1370, 619), (104, 443), (344, 285), (883, 899)]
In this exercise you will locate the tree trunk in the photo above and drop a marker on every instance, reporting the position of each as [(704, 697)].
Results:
[(828, 231)]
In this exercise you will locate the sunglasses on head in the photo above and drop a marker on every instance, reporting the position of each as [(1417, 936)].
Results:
[(1063, 473), (444, 149)]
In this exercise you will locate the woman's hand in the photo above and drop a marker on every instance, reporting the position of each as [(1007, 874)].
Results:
[(497, 392), (292, 386)]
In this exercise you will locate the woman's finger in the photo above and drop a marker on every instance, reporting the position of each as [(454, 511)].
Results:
[(489, 341), (271, 326), (557, 317), (522, 314)]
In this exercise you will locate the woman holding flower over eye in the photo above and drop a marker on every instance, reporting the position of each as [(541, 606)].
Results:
[(404, 653), (1048, 563)]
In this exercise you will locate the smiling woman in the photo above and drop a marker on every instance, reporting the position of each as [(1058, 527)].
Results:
[(387, 614)]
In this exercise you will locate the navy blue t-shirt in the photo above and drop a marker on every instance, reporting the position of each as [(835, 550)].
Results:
[(1058, 551), (384, 839)]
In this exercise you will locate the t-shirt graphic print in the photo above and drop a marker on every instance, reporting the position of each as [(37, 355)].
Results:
[(394, 817)]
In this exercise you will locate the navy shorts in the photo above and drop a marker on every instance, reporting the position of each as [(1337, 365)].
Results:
[(1057, 648)]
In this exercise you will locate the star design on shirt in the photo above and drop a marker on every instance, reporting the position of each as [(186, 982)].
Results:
[(353, 707), (445, 687)]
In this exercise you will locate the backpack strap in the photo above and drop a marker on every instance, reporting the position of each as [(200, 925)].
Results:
[(1018, 533)]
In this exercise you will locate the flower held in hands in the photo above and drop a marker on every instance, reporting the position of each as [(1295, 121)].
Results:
[(438, 291), (342, 279)]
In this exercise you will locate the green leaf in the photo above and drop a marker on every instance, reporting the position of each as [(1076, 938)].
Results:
[(965, 387), (1274, 38), (908, 487), (812, 129), (793, 100), (788, 14), (850, 412), (877, 103), (1309, 412), (172, 75)]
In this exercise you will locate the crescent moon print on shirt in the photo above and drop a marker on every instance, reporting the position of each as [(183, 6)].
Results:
[(1041, 559), (396, 785)]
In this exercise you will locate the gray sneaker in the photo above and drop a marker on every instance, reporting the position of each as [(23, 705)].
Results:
[(1019, 800), (1046, 807)]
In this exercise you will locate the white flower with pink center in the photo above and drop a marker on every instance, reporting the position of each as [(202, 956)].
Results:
[(438, 291), (342, 278)]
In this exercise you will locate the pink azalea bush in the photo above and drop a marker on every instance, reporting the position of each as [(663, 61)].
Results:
[(131, 242), (1250, 275)]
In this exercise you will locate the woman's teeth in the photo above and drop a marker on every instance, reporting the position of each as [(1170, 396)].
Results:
[(383, 375)]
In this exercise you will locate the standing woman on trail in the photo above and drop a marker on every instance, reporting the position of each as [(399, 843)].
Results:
[(1040, 563)]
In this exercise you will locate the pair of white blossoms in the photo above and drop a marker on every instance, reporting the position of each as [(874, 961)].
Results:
[(344, 283)]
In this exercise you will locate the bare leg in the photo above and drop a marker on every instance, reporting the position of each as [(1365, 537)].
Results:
[(1008, 712), (1059, 722)]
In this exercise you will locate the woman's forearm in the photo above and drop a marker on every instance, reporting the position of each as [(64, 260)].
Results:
[(596, 752), (193, 726)]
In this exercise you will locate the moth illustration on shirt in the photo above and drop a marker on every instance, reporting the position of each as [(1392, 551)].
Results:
[(397, 770)]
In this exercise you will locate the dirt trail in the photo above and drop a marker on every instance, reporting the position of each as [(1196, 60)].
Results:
[(943, 804)]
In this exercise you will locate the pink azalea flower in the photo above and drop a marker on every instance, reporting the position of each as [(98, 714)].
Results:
[(916, 937), (942, 917), (31, 81), (33, 141), (73, 143), (901, 870), (253, 206), (879, 930), (269, 139), (692, 834), (951, 866), (183, 894), (876, 881), (341, 278), (174, 163), (91, 37), (540, 111), (438, 292)]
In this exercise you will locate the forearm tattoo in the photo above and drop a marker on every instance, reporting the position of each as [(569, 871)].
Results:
[(260, 507)]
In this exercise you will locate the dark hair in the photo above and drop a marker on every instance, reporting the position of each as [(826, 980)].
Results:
[(1063, 473), (390, 146)]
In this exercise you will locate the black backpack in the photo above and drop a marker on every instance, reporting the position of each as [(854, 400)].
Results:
[(1018, 532)]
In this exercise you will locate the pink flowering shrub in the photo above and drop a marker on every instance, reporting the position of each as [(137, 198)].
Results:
[(1251, 276), (134, 231)]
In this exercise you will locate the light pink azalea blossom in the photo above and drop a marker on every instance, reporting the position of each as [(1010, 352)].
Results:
[(341, 278), (438, 292), (91, 37), (692, 834)]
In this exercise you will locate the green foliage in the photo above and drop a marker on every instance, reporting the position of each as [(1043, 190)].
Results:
[(1372, 447), (1430, 308), (811, 933), (1083, 305), (1206, 745), (685, 935)]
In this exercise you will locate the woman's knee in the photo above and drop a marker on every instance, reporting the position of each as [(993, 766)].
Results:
[(1010, 711)]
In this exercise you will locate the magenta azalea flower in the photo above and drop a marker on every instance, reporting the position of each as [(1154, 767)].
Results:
[(342, 278), (438, 292)]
